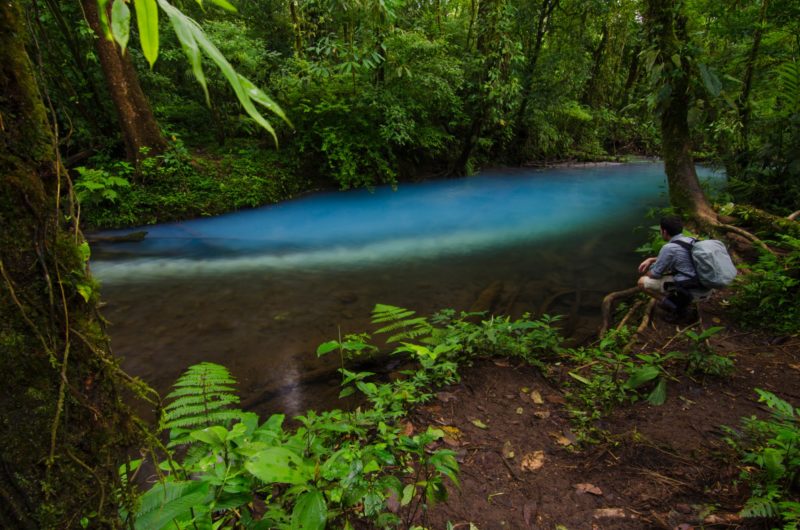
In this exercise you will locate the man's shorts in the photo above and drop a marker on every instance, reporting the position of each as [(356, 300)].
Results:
[(659, 285)]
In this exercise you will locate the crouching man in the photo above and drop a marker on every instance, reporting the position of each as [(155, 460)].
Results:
[(669, 277)]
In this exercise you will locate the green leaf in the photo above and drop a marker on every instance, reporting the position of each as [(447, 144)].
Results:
[(710, 80), (167, 501), (642, 375), (147, 22), (773, 462), (224, 5), (278, 464), (327, 347), (310, 511), (408, 494), (579, 378), (85, 290), (121, 23), (214, 436), (184, 31), (102, 11), (659, 394)]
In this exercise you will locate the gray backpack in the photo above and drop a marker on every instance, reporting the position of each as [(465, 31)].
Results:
[(712, 262)]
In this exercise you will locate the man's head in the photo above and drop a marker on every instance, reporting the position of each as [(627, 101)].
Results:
[(671, 225)]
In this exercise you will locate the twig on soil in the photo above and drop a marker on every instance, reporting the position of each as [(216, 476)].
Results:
[(508, 466), (678, 334)]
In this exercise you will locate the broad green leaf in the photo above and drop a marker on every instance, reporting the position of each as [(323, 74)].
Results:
[(121, 23), (167, 501), (773, 462), (642, 375), (659, 394), (278, 464), (224, 4), (408, 494), (214, 435), (102, 11), (147, 22), (310, 511), (185, 31), (327, 347), (710, 80)]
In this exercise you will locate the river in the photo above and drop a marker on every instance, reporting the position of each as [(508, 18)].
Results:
[(258, 290)]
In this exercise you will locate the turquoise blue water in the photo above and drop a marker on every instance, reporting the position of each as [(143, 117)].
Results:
[(258, 290)]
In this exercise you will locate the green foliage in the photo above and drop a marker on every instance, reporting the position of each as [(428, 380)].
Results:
[(95, 187), (768, 295), (202, 397), (770, 454), (606, 375)]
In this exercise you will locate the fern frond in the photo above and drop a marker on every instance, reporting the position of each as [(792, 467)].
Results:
[(390, 313), (759, 507), (400, 319), (789, 80), (203, 396)]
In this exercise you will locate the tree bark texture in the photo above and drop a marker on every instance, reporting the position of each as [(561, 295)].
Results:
[(62, 425), (667, 28), (137, 122)]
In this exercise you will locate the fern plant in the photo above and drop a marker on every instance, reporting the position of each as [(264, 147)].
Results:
[(203, 396), (402, 321)]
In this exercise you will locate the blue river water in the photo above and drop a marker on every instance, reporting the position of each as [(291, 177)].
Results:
[(257, 290)]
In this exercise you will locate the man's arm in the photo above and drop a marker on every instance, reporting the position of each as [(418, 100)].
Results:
[(645, 265)]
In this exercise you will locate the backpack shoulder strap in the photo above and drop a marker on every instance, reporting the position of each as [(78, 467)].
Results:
[(684, 244)]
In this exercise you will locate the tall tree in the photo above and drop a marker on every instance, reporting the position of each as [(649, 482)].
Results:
[(138, 125), (63, 425), (666, 24)]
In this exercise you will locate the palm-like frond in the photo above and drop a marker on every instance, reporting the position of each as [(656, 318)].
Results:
[(203, 396)]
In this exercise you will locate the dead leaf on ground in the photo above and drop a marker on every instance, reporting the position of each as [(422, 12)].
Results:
[(585, 487), (542, 414), (536, 396), (532, 461), (722, 518), (502, 363), (508, 450), (556, 399), (479, 424), (520, 410), (408, 429), (452, 436), (610, 512), (560, 439)]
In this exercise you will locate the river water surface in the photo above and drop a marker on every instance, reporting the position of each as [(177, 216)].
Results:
[(258, 290)]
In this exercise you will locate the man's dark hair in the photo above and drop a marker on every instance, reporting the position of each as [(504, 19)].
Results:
[(672, 224)]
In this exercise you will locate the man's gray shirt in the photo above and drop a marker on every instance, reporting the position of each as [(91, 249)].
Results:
[(675, 260)]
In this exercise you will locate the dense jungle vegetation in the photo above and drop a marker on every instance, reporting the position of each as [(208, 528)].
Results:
[(357, 94)]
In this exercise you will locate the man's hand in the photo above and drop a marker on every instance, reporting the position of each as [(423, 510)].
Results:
[(643, 266)]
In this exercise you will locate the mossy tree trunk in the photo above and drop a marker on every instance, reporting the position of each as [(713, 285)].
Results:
[(667, 27), (62, 424), (136, 120)]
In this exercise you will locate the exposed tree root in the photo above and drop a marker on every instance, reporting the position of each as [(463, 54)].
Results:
[(744, 233), (793, 216), (607, 303), (635, 307)]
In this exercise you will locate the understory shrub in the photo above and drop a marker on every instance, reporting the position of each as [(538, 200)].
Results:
[(768, 295), (226, 468), (770, 456)]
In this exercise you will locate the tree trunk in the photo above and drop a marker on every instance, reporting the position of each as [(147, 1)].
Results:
[(136, 120), (743, 103), (667, 27), (542, 23), (598, 54), (63, 426)]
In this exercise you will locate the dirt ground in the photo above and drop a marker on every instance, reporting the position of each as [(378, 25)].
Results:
[(663, 467)]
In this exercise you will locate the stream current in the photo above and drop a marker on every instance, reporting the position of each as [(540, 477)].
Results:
[(259, 290)]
